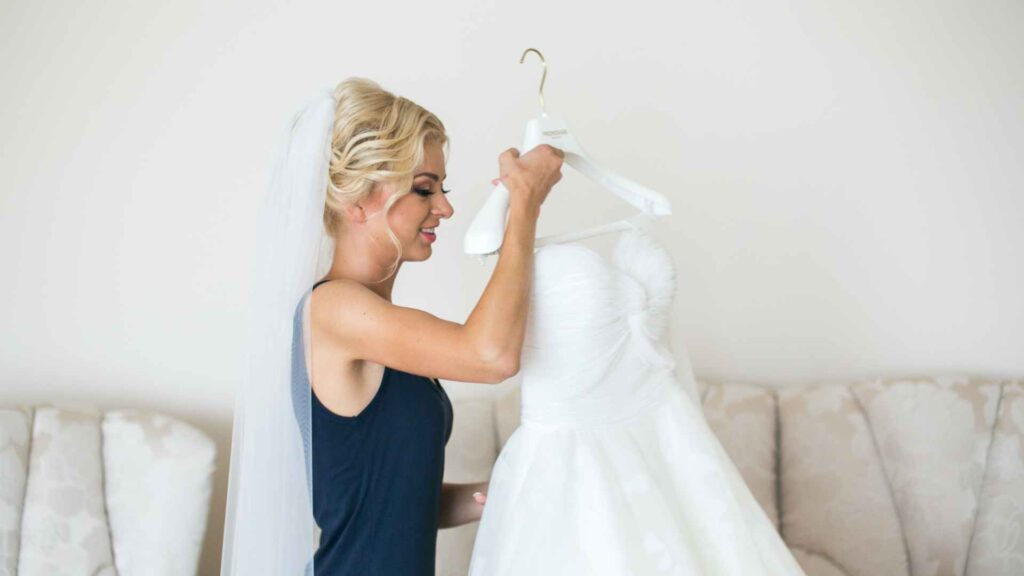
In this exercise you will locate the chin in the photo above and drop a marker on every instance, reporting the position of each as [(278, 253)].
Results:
[(424, 249)]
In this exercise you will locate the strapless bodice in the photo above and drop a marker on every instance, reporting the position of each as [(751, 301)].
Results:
[(596, 343)]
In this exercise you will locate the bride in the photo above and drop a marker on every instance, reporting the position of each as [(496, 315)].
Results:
[(340, 422)]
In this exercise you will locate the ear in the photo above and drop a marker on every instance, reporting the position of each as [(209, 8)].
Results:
[(354, 212)]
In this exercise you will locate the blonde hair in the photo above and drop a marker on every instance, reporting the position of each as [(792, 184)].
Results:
[(378, 138)]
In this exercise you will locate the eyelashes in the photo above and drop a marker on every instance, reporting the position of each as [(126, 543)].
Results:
[(427, 191)]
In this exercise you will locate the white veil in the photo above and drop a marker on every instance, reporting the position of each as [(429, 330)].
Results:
[(269, 526)]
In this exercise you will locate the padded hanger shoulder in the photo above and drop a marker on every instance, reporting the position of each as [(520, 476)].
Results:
[(487, 230)]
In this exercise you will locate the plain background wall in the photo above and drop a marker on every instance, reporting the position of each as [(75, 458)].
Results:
[(846, 177)]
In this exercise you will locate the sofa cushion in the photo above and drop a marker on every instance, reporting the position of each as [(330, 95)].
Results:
[(996, 547), (158, 473), (933, 438), (15, 438), (743, 419), (64, 525), (834, 493)]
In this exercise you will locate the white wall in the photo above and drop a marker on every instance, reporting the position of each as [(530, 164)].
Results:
[(845, 177)]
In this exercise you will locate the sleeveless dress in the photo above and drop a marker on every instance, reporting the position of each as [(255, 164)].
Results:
[(613, 470), (376, 476)]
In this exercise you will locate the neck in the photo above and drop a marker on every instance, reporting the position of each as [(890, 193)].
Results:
[(358, 260)]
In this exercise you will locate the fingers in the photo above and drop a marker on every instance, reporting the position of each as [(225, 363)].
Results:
[(556, 151), (506, 160), (534, 173)]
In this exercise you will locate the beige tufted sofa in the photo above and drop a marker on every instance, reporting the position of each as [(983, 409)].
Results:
[(875, 478), (85, 492)]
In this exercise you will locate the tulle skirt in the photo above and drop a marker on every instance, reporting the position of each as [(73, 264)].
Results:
[(652, 493)]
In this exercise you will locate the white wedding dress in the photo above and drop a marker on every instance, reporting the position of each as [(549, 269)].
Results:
[(613, 469)]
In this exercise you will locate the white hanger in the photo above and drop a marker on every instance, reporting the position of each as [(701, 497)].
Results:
[(639, 221), (487, 230)]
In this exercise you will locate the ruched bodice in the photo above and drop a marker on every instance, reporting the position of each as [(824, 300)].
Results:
[(596, 343)]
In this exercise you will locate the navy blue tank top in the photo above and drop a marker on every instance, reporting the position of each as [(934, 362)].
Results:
[(376, 476)]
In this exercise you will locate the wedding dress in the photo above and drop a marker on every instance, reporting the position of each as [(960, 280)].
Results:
[(613, 469)]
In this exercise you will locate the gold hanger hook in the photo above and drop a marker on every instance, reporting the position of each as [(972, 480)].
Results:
[(543, 76)]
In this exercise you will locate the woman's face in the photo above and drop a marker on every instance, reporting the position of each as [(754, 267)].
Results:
[(424, 207)]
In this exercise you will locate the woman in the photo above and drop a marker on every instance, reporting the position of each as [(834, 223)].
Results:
[(379, 424)]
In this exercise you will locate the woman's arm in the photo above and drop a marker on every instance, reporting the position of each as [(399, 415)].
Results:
[(500, 316), (487, 347), (459, 506)]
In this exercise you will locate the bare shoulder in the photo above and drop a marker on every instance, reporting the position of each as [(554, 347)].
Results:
[(339, 303), (355, 319)]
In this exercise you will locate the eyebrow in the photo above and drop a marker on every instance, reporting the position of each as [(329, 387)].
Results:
[(430, 174)]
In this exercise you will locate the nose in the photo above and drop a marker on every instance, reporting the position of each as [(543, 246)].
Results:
[(443, 207)]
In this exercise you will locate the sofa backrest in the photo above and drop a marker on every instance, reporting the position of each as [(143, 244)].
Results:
[(89, 492), (896, 477)]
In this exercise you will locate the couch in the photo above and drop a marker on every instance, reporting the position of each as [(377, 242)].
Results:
[(101, 493), (881, 477)]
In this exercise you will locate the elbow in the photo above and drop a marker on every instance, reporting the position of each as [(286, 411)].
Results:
[(496, 361), (503, 367), (511, 366)]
